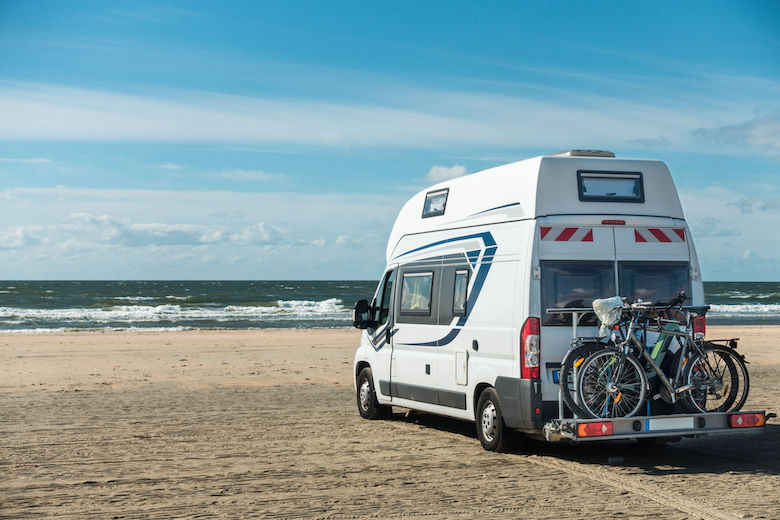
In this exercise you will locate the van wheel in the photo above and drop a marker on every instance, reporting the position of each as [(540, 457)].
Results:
[(492, 432), (367, 404)]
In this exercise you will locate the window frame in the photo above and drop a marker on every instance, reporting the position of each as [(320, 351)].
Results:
[(583, 174), (564, 320), (429, 195), (407, 312), (683, 264), (463, 312)]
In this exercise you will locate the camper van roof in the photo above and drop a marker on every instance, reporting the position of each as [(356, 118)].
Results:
[(537, 187)]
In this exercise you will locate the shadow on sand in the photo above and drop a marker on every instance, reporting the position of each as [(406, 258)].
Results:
[(746, 452)]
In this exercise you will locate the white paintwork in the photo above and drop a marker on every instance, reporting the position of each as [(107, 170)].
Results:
[(536, 193)]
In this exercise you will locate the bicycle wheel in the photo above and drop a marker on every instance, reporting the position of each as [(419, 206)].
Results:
[(608, 390), (573, 360), (720, 380)]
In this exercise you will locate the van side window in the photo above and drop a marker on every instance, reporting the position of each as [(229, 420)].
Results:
[(459, 300), (435, 203), (385, 301), (574, 284), (416, 293)]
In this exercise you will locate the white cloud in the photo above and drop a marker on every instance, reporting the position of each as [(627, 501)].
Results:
[(442, 173), (168, 166), (761, 133), (32, 160), (250, 175), (407, 117)]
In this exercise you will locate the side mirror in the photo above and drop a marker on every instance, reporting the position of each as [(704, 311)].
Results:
[(361, 315)]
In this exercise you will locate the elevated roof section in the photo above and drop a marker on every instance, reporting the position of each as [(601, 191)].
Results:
[(536, 187)]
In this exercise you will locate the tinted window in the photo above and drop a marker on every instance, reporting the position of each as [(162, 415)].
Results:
[(610, 187), (383, 302), (416, 293), (656, 282), (435, 203), (459, 301), (574, 284)]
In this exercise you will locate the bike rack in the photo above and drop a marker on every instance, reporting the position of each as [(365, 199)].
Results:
[(577, 314)]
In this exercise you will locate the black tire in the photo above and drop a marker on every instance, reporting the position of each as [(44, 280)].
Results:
[(491, 430), (574, 358), (720, 377), (367, 404), (594, 381)]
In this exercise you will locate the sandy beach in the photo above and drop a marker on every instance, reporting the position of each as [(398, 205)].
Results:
[(263, 424)]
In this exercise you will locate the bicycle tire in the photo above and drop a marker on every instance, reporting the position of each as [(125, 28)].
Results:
[(629, 393), (725, 385), (574, 357)]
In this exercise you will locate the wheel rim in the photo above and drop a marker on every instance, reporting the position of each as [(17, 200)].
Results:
[(601, 395), (365, 394), (489, 422), (716, 382)]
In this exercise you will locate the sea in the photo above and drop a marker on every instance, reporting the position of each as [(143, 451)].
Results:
[(57, 306)]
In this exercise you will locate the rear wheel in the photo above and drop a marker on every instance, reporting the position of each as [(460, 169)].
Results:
[(367, 404), (492, 432), (609, 387), (719, 378), (571, 363)]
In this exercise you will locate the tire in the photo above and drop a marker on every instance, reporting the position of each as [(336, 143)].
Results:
[(491, 430), (574, 358), (600, 396), (367, 404), (720, 379)]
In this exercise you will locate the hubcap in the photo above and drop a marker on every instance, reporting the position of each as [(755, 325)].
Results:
[(365, 395), (489, 422)]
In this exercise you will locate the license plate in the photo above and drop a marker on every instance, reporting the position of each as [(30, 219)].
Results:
[(670, 423)]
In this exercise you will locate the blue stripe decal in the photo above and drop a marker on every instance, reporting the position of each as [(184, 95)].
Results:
[(476, 289), (473, 257), (497, 207), (486, 237)]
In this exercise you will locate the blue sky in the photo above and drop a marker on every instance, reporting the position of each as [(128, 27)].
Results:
[(234, 140)]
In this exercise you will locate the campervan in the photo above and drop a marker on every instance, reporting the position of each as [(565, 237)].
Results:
[(458, 325)]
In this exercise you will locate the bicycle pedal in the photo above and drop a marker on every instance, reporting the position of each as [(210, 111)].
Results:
[(656, 397)]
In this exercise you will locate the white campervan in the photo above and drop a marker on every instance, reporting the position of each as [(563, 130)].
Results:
[(458, 324)]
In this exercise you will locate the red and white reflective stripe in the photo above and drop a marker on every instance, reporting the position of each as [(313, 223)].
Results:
[(566, 234), (659, 235)]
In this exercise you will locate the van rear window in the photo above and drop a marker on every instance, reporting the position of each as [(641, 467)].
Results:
[(574, 284), (610, 186), (656, 282)]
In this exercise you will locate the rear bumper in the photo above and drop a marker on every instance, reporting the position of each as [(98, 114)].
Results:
[(656, 426)]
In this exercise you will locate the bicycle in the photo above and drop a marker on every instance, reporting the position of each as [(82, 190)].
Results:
[(614, 381)]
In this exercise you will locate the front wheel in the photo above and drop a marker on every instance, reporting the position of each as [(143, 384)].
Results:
[(719, 380), (367, 404), (611, 385)]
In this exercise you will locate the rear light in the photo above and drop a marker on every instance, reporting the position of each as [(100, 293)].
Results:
[(529, 349), (594, 429), (699, 327), (747, 420), (613, 222)]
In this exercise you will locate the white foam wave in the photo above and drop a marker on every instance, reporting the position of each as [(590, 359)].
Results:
[(285, 310), (745, 310), (134, 298)]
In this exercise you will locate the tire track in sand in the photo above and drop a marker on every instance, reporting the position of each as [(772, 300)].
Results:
[(636, 486)]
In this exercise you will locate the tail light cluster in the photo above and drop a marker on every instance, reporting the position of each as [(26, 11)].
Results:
[(699, 327), (595, 429), (747, 420), (529, 349)]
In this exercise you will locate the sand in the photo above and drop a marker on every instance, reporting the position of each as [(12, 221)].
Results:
[(263, 424)]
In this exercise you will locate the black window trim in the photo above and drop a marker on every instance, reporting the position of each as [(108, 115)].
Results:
[(465, 303), (429, 214), (430, 294), (599, 198)]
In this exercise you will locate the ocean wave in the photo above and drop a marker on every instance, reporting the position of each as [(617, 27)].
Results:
[(745, 310), (284, 310)]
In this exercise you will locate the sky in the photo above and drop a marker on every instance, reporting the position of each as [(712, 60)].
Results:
[(278, 140)]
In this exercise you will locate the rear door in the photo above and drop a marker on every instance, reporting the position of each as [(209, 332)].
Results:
[(577, 265)]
